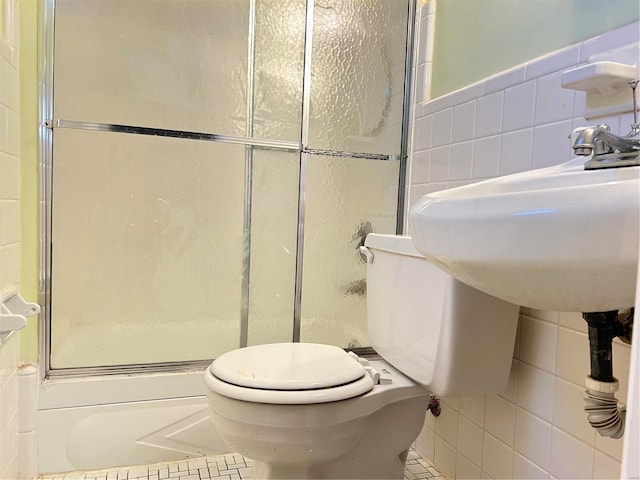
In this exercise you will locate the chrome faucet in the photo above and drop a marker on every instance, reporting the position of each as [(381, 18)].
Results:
[(606, 149)]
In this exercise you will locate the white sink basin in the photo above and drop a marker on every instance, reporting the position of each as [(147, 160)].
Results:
[(559, 238)]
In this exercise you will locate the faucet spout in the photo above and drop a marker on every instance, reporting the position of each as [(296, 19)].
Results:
[(607, 149), (583, 139)]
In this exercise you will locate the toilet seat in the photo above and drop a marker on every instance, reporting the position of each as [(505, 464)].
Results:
[(288, 373)]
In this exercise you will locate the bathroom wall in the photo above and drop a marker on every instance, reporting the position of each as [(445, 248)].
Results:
[(516, 120), (491, 30), (9, 356), (9, 231), (17, 379), (29, 245)]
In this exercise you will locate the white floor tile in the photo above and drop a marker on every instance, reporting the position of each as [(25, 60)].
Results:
[(75, 476), (141, 471), (412, 455), (245, 472), (197, 463), (191, 476), (222, 467)]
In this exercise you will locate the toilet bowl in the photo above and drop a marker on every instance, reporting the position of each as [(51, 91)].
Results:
[(304, 410), (309, 427)]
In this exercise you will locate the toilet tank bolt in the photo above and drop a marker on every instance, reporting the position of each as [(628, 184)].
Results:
[(434, 405)]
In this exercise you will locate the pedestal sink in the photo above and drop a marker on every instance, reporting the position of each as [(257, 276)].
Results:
[(559, 238)]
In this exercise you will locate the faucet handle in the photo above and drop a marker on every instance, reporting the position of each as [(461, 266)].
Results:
[(635, 126)]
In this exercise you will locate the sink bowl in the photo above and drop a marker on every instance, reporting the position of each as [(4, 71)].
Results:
[(559, 238)]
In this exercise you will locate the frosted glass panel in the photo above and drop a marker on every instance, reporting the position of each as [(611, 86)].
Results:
[(346, 199), (147, 249), (274, 222), (357, 85), (166, 64), (279, 65), (148, 232)]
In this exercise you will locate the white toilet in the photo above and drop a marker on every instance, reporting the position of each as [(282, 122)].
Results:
[(302, 410)]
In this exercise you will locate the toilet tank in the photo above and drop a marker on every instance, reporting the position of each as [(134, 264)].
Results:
[(445, 335)]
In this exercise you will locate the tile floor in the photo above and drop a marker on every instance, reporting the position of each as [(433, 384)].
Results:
[(221, 467)]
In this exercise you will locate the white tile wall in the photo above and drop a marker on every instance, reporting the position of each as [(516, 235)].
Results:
[(535, 391), (519, 103), (517, 147), (9, 233), (423, 59), (470, 440), (472, 408), (533, 438), (524, 469), (464, 121), (564, 449), (500, 418), (489, 115), (511, 122), (9, 148), (497, 458), (9, 357), (466, 469)]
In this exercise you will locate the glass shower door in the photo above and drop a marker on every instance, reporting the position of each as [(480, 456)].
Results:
[(355, 132), (215, 165), (147, 249)]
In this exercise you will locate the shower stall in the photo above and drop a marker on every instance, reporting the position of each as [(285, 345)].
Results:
[(214, 167), (208, 171)]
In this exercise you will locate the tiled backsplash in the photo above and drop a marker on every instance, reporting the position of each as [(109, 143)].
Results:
[(517, 120)]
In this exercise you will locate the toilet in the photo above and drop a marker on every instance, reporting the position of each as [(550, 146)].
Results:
[(305, 410)]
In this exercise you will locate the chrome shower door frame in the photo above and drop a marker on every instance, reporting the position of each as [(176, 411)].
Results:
[(48, 124)]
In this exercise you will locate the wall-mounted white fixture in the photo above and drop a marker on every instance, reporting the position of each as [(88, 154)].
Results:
[(606, 85), (14, 310), (528, 223)]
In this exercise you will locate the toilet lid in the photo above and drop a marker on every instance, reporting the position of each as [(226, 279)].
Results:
[(287, 366)]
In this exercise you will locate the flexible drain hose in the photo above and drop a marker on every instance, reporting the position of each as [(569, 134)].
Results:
[(605, 414)]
